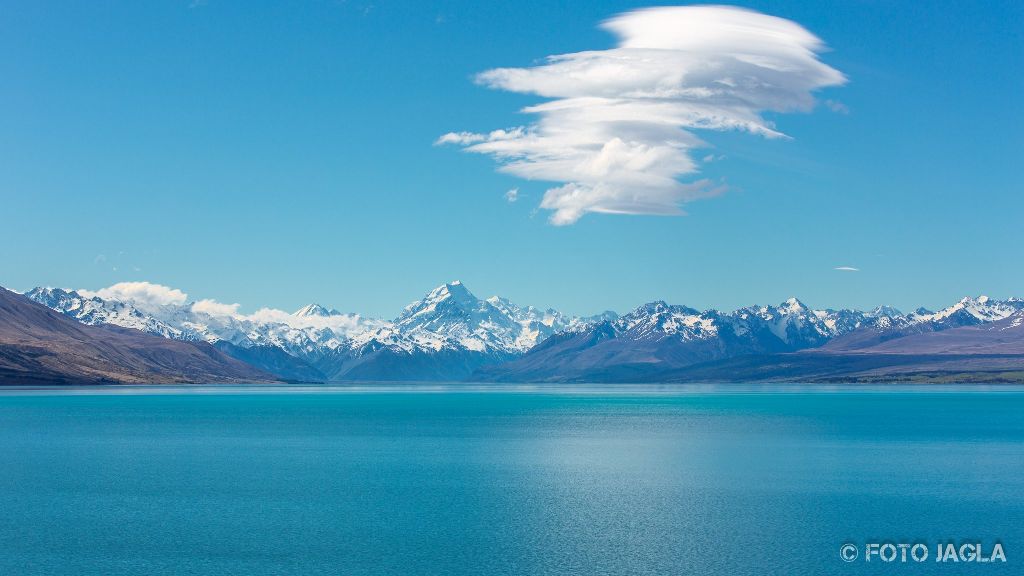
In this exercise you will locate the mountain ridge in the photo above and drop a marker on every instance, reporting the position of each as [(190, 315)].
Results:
[(450, 334), (41, 346)]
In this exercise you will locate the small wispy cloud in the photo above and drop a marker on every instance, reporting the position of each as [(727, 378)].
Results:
[(463, 138), (846, 269), (618, 132), (512, 195), (837, 106)]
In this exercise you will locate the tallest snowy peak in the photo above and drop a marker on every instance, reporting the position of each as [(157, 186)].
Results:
[(792, 305), (454, 286), (445, 299), (452, 290), (314, 310)]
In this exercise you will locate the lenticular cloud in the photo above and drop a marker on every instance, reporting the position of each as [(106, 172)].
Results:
[(618, 130)]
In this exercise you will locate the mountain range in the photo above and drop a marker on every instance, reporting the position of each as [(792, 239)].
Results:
[(41, 346), (450, 334)]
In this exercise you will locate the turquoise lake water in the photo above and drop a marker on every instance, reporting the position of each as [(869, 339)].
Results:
[(568, 481)]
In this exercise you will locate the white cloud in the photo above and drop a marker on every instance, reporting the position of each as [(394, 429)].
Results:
[(214, 308), (846, 269), (512, 195), (272, 315), (618, 130), (142, 294), (150, 298), (459, 138), (341, 323)]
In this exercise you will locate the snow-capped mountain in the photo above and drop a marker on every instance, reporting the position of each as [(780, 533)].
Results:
[(307, 337), (39, 346), (451, 314), (449, 321), (797, 326), (446, 335), (792, 324), (970, 311), (658, 338), (450, 333), (315, 311), (95, 310)]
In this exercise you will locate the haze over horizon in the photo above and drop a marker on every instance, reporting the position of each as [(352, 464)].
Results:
[(277, 156)]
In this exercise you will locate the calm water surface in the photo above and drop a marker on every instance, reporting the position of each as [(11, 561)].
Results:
[(577, 480)]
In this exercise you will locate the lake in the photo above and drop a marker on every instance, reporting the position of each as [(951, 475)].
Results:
[(568, 480)]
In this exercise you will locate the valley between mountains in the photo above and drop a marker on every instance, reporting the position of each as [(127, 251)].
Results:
[(62, 336)]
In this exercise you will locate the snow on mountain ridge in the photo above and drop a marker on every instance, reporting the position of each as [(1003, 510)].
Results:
[(93, 310), (972, 310), (492, 325), (450, 318), (315, 310), (792, 322), (299, 336)]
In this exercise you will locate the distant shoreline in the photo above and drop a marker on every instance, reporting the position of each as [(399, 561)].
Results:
[(625, 389)]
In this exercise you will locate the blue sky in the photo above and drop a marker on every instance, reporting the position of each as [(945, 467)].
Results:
[(274, 155)]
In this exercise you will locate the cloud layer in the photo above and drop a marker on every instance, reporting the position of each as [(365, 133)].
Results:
[(156, 298), (145, 295), (617, 132)]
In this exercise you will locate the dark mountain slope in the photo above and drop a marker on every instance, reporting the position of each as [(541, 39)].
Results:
[(822, 367), (273, 360), (40, 346), (1004, 336), (992, 352), (657, 338), (375, 362)]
